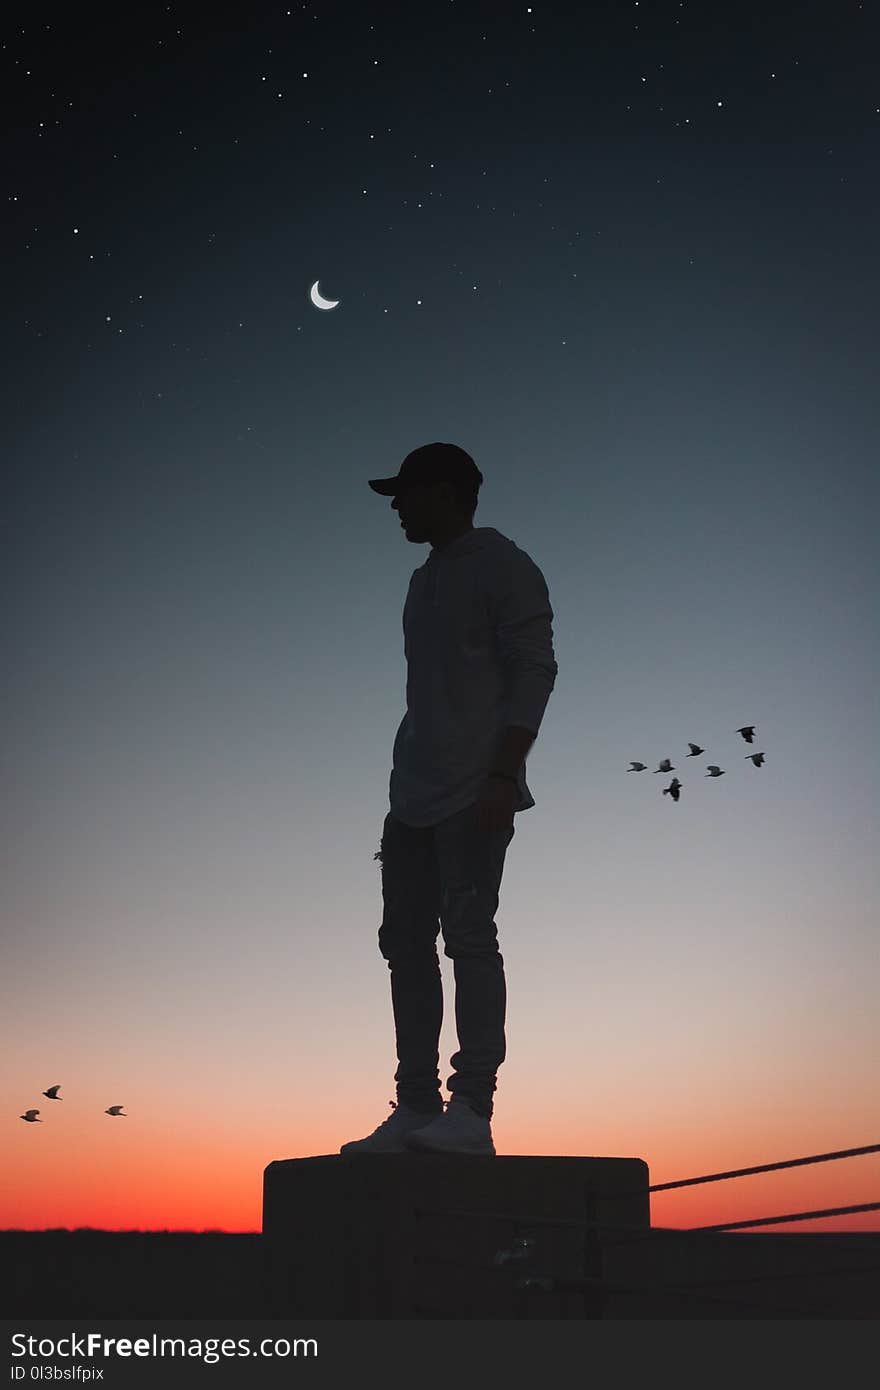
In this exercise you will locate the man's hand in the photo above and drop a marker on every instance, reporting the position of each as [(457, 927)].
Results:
[(493, 809)]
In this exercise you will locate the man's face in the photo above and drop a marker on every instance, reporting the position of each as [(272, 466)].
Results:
[(427, 511)]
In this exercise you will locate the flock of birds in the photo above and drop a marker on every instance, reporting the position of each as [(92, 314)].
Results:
[(52, 1094), (674, 788)]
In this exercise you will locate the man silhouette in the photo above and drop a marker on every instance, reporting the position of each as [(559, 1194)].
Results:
[(478, 641)]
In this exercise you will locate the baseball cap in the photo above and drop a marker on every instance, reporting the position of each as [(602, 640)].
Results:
[(432, 463)]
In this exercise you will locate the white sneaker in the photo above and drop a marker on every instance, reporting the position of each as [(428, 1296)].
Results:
[(388, 1137), (460, 1130)]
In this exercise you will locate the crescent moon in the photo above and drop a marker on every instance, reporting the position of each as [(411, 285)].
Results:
[(318, 299)]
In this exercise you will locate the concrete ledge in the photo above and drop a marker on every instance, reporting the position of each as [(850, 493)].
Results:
[(416, 1235)]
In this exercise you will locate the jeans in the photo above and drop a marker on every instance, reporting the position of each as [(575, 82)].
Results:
[(445, 876)]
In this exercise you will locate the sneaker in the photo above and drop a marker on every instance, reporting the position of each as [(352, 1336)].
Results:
[(460, 1130), (388, 1137)]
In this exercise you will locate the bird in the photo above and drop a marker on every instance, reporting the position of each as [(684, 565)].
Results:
[(665, 766), (31, 1117), (714, 771), (695, 749), (115, 1110), (636, 767), (748, 732), (52, 1092), (674, 789), (757, 758)]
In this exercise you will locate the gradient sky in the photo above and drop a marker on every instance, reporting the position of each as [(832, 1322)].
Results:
[(625, 255)]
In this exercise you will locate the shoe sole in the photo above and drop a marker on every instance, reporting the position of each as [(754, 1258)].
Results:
[(446, 1149), (346, 1150), (362, 1153)]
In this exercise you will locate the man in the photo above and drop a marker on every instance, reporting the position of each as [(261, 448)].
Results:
[(478, 641)]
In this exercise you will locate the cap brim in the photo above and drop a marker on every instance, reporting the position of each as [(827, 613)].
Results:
[(385, 486)]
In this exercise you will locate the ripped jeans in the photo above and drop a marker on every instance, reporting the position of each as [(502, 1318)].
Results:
[(445, 876)]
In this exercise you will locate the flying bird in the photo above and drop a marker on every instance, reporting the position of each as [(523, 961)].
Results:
[(715, 771), (757, 758), (665, 766), (31, 1117), (636, 767), (694, 750), (748, 732), (115, 1110), (52, 1092), (674, 789)]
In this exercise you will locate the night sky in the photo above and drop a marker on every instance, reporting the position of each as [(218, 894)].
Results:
[(626, 256)]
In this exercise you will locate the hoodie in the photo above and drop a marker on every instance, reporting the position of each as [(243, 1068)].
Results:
[(478, 640)]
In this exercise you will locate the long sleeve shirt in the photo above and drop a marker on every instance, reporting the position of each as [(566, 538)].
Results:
[(478, 639)]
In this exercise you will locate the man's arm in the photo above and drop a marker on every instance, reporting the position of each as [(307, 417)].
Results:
[(523, 623), (515, 744)]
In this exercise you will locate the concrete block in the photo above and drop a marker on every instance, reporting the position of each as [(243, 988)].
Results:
[(419, 1235)]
